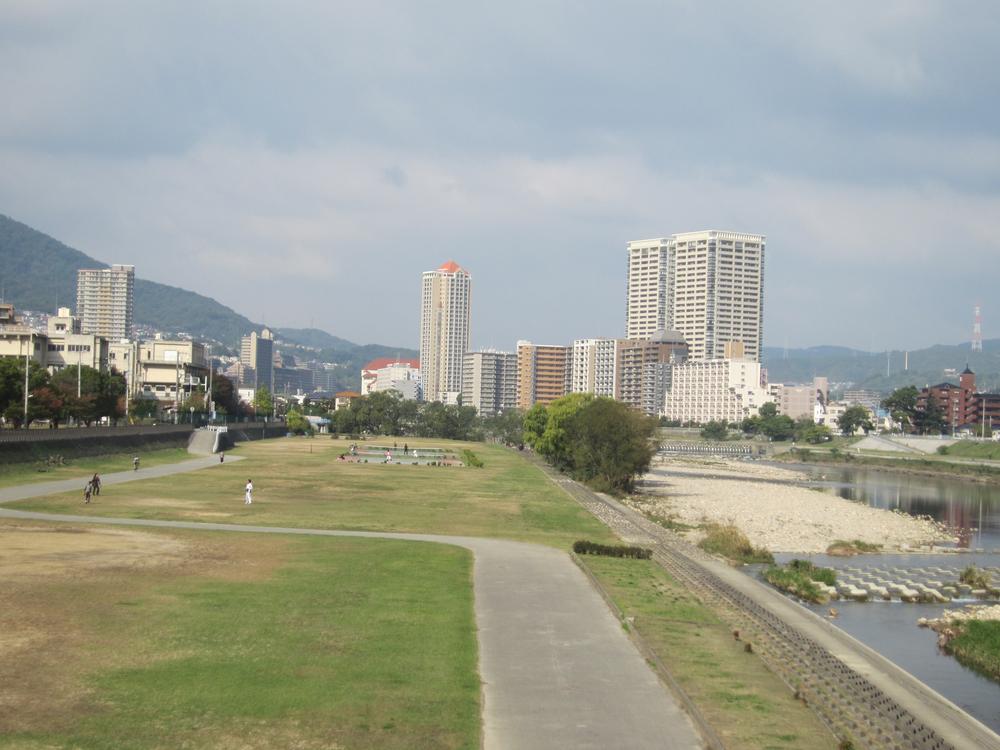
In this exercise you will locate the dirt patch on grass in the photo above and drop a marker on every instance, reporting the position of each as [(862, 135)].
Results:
[(72, 603), (46, 551)]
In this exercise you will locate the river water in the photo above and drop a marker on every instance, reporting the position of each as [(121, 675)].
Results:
[(973, 509)]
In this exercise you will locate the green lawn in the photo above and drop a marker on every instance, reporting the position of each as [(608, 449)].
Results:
[(975, 449), (300, 482), (745, 703), (84, 467), (255, 642)]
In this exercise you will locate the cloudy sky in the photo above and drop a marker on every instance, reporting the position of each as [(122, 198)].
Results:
[(303, 162)]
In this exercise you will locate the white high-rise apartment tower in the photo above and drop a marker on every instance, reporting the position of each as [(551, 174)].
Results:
[(717, 292), (707, 285), (104, 301), (445, 304), (594, 368), (646, 305)]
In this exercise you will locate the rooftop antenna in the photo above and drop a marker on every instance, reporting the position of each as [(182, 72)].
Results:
[(977, 329), (906, 361)]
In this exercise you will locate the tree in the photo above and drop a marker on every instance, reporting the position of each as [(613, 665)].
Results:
[(902, 406), (818, 433), (263, 403), (507, 427), (534, 424), (12, 386), (297, 423), (609, 443), (224, 395), (554, 440), (930, 419), (855, 417), (715, 431)]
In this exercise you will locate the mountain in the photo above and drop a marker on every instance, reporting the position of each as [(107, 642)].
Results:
[(868, 369), (38, 272)]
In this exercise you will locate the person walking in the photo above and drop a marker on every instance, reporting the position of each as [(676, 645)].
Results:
[(87, 492), (248, 498), (222, 457), (96, 484), (135, 463)]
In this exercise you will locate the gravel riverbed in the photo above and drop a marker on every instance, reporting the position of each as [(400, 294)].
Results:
[(768, 504)]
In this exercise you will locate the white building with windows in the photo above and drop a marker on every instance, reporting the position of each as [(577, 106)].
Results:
[(594, 366), (728, 390), (648, 289), (387, 374), (489, 381), (104, 301), (445, 308)]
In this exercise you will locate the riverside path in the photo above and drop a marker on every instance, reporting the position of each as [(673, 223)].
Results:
[(558, 671)]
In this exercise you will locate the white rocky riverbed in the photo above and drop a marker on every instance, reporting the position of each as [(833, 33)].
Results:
[(774, 513)]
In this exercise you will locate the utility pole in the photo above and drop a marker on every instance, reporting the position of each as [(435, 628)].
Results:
[(211, 403), (177, 388), (27, 368), (79, 362)]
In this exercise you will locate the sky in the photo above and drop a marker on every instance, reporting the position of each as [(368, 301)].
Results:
[(304, 162)]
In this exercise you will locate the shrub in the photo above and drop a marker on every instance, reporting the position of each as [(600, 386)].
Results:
[(973, 576), (471, 459), (731, 543), (585, 547)]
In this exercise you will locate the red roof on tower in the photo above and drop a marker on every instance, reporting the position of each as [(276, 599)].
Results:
[(451, 267)]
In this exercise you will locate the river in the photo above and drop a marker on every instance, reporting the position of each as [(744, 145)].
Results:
[(973, 509)]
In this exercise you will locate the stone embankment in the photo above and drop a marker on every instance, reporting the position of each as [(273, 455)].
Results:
[(768, 505)]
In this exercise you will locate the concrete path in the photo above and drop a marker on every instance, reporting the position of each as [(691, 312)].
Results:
[(40, 489), (558, 671)]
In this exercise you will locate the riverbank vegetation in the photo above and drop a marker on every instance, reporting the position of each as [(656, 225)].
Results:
[(929, 466), (745, 703), (799, 578), (972, 449), (842, 548), (729, 542), (601, 442), (976, 644)]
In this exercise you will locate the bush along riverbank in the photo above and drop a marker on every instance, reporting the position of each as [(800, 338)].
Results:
[(802, 579), (729, 542), (971, 635)]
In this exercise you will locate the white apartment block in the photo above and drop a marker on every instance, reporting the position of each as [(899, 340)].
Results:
[(68, 347), (648, 292), (716, 283), (445, 305), (403, 377), (489, 381), (594, 367), (715, 390), (104, 298)]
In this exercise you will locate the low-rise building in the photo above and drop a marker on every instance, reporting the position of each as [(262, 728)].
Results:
[(170, 371), (800, 401), (720, 390), (343, 399), (388, 374)]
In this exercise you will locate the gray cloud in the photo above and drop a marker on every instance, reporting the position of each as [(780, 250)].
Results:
[(317, 158)]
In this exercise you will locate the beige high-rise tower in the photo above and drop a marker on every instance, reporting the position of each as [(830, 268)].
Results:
[(708, 286), (104, 301), (716, 282), (646, 305), (445, 305)]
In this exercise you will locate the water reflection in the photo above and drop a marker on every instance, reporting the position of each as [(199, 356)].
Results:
[(972, 508)]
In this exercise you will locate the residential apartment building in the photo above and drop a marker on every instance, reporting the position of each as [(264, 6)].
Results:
[(648, 291), (68, 347), (445, 311), (716, 291), (800, 401), (257, 358), (104, 301), (727, 390), (645, 368), (489, 381), (388, 374), (543, 373), (170, 371), (958, 403), (594, 367)]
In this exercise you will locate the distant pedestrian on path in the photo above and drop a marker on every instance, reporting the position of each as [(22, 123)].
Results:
[(135, 463), (248, 498), (222, 457), (87, 492), (96, 484)]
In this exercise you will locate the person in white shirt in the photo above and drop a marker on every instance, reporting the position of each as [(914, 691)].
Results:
[(248, 499)]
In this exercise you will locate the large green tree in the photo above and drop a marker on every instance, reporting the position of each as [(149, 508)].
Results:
[(609, 444), (902, 406), (854, 418)]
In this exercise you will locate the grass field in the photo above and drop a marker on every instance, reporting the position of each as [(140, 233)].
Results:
[(974, 449), (300, 482), (85, 466), (125, 639), (746, 704)]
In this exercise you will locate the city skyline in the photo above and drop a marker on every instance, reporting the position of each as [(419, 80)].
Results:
[(850, 136)]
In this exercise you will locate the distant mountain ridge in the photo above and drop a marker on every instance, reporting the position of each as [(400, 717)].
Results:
[(37, 272)]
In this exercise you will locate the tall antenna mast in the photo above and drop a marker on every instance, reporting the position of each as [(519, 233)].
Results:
[(977, 329)]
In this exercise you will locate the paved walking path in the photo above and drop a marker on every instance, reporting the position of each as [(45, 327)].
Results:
[(558, 671)]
